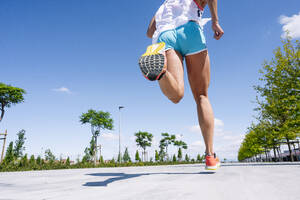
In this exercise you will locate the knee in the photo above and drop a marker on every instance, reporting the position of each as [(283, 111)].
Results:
[(176, 99), (200, 98)]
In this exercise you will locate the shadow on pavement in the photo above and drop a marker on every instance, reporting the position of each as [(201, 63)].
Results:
[(123, 176)]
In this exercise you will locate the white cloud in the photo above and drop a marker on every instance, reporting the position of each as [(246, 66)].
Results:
[(62, 89), (109, 136), (291, 24)]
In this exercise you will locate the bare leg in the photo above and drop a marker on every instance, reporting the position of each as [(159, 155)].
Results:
[(198, 69), (172, 84)]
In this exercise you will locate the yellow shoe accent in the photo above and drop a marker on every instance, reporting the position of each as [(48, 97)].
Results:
[(153, 49)]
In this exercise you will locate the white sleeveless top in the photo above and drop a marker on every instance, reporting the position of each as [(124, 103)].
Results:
[(174, 13)]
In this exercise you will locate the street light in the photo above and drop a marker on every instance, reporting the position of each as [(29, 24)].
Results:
[(119, 157)]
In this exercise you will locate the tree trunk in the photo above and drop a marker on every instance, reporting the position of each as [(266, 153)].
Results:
[(2, 112), (275, 158), (290, 150), (95, 149), (295, 151), (266, 155), (279, 156)]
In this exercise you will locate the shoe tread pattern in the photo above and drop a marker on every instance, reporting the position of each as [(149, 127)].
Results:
[(152, 65)]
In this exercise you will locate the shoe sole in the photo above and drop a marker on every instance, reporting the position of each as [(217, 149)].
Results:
[(152, 66), (153, 61), (213, 167)]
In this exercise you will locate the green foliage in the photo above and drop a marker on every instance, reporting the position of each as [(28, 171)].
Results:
[(68, 161), (200, 158), (179, 155), (89, 152), (187, 158), (164, 143), (120, 159), (24, 161), (32, 161), (49, 156), (278, 102), (19, 144), (137, 156), (39, 160), (180, 144), (174, 158), (143, 140), (126, 156), (9, 96), (9, 156), (101, 159), (156, 156), (98, 120), (113, 161)]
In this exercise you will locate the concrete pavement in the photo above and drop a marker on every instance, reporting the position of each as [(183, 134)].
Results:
[(232, 181)]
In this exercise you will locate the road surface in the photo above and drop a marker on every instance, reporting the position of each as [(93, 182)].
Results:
[(182, 182)]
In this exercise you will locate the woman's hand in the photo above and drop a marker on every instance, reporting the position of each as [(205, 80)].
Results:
[(218, 30)]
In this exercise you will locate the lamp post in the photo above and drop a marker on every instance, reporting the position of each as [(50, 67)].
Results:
[(120, 156)]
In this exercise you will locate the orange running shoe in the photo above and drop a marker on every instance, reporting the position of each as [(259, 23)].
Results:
[(212, 162)]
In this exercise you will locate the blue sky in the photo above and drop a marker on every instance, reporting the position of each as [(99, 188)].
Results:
[(74, 55)]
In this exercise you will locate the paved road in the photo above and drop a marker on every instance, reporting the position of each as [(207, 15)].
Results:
[(182, 182)]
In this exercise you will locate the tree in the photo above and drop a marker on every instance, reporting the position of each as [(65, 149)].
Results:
[(9, 156), (179, 155), (143, 140), (180, 144), (89, 151), (279, 95), (101, 159), (174, 158), (137, 156), (68, 161), (126, 156), (24, 161), (156, 156), (19, 144), (187, 158), (32, 161), (199, 158), (49, 156), (98, 120), (9, 96), (120, 158), (39, 160), (164, 143)]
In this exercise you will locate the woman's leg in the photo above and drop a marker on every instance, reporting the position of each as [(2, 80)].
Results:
[(198, 69), (172, 84)]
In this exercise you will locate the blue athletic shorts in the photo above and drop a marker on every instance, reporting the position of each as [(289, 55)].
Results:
[(187, 39)]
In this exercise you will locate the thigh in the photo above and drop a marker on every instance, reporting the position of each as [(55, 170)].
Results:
[(198, 69), (175, 66)]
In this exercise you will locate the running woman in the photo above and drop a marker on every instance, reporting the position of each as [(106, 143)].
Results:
[(177, 33)]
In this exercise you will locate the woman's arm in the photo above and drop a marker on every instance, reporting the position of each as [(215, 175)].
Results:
[(151, 28), (212, 4)]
